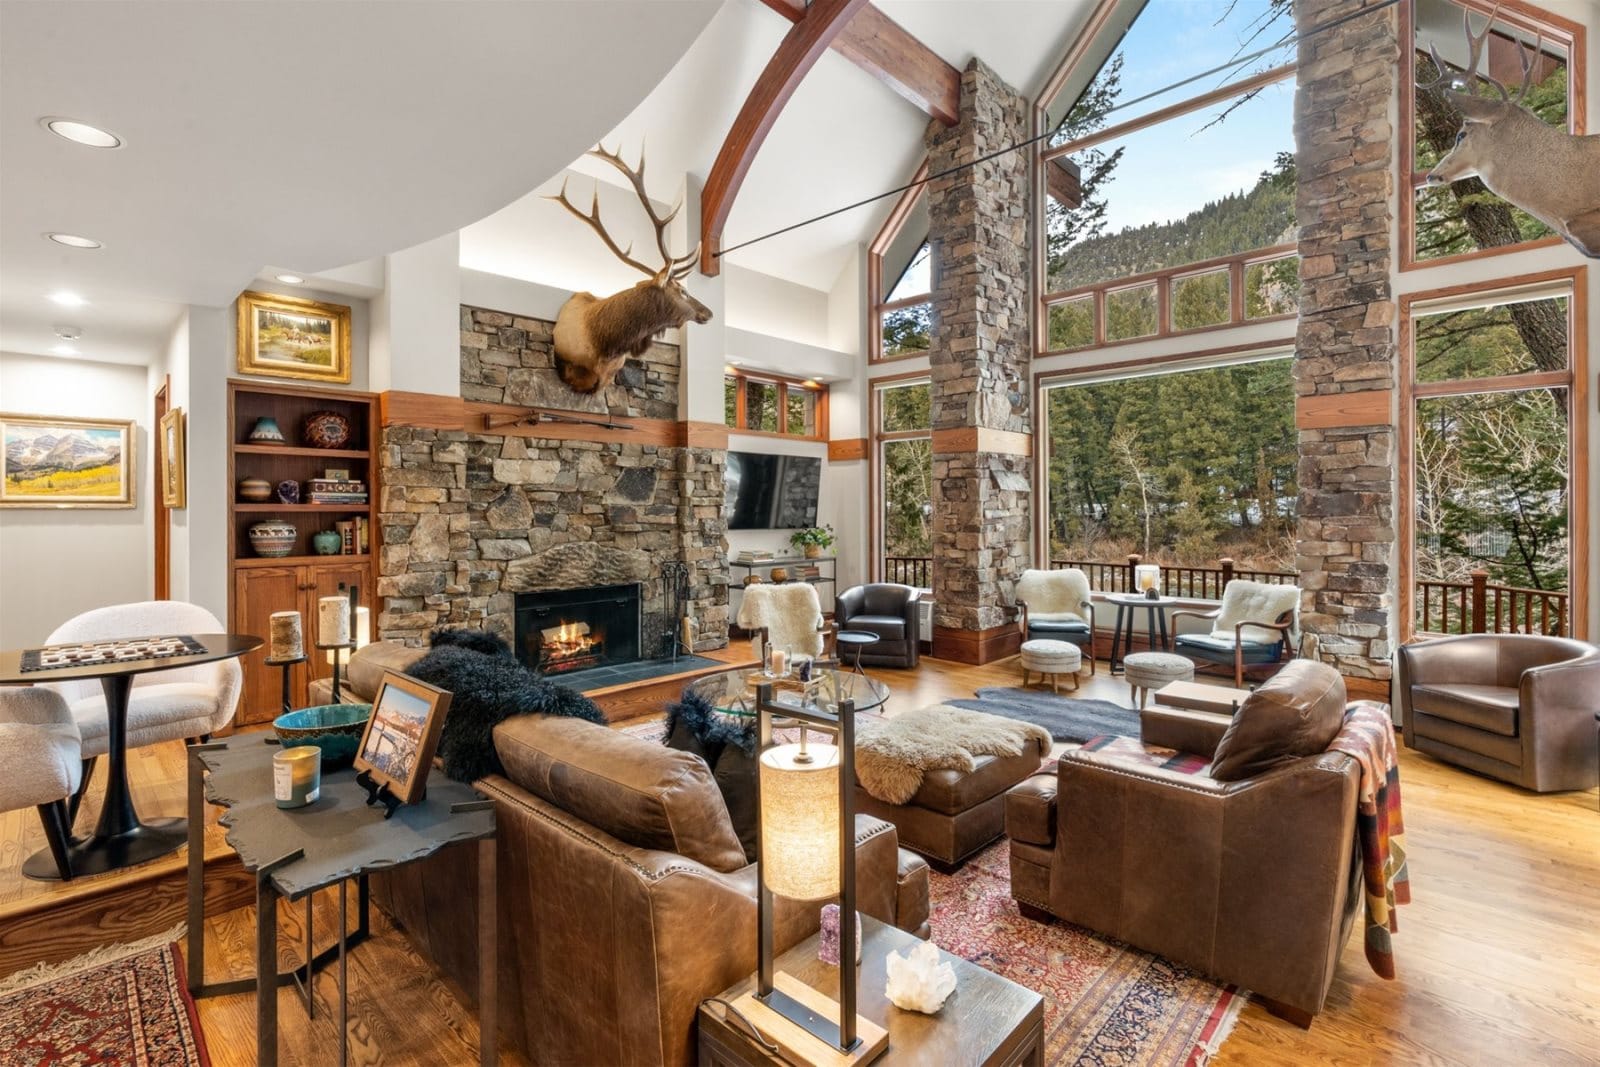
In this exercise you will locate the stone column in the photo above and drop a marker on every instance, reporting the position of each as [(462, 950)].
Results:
[(982, 344), (1345, 354)]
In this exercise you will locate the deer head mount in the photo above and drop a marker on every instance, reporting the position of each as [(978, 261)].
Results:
[(1549, 173), (594, 335)]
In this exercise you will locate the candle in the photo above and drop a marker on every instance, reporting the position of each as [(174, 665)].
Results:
[(333, 620), (297, 776), (361, 638), (287, 641), (780, 661)]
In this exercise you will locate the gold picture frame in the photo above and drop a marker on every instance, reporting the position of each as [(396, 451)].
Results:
[(288, 337), (171, 460), (48, 461), (402, 735)]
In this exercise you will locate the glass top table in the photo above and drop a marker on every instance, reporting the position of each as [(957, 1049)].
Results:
[(734, 692)]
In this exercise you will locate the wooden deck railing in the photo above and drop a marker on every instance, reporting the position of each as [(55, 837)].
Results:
[(909, 570), (1476, 607), (1191, 583)]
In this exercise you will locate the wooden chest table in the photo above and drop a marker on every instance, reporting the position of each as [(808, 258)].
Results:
[(988, 1020), (1198, 697)]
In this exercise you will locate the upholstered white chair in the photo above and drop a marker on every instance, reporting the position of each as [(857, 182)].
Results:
[(1056, 606), (168, 705), (1257, 625), (40, 761), (787, 616)]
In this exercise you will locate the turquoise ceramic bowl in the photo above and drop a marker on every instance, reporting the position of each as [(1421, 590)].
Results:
[(334, 728)]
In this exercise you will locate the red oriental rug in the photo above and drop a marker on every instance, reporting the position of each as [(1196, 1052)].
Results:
[(123, 1005), (1105, 1004)]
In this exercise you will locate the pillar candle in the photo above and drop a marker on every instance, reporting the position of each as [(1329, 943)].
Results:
[(287, 640), (297, 776), (780, 661), (333, 620)]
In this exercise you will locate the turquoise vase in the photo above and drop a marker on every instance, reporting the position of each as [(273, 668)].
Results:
[(327, 543)]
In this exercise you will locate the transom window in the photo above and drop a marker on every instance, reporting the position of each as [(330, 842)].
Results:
[(754, 402)]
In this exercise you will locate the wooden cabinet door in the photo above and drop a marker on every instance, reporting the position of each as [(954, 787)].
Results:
[(257, 593), (324, 580)]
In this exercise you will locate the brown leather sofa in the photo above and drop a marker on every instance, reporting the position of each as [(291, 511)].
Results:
[(624, 895), (1517, 707), (1256, 882)]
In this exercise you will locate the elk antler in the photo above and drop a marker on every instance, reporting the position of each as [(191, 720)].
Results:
[(1475, 42), (1528, 60), (672, 267), (591, 218)]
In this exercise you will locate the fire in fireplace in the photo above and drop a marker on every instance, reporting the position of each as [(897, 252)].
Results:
[(564, 630)]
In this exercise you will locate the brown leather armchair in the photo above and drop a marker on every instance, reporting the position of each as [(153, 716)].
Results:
[(624, 895), (1517, 707), (1256, 882)]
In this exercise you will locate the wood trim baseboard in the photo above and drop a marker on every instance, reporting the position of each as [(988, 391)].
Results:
[(976, 646), (847, 449), (1367, 407), (982, 439)]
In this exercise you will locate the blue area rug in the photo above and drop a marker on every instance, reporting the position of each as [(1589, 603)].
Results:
[(1067, 719)]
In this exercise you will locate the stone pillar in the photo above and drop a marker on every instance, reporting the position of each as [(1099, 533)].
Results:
[(1345, 341), (982, 344)]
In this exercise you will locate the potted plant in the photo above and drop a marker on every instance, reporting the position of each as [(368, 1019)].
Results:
[(813, 540)]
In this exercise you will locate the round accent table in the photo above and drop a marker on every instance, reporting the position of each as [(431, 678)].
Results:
[(858, 640), (1128, 605), (1043, 657), (1147, 672)]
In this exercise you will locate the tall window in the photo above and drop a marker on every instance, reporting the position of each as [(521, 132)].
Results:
[(1181, 467), (1131, 250), (900, 280), (1492, 424), (903, 477), (763, 403), (1460, 218)]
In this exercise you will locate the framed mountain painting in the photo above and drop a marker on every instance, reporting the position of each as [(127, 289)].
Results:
[(60, 462)]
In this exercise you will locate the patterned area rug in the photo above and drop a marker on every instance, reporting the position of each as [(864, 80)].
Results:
[(1105, 1004), (126, 1005), (1067, 718)]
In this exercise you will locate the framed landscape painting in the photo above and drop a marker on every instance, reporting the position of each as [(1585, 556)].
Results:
[(61, 462), (174, 473), (402, 734), (286, 337)]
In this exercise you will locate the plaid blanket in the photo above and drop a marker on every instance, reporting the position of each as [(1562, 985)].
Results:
[(1368, 737)]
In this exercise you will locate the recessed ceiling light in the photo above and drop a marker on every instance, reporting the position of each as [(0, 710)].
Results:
[(64, 350), (82, 133), (72, 240), (67, 299), (69, 333), (290, 279), (735, 362)]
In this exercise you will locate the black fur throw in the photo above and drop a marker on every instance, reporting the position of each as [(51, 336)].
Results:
[(695, 714), (729, 748), (488, 686)]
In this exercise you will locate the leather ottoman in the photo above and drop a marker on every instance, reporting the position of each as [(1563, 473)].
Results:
[(955, 814)]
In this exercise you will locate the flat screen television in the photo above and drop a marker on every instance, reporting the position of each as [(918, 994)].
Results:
[(763, 492)]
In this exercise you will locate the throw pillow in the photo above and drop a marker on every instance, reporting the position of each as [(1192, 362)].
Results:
[(1295, 714), (728, 746)]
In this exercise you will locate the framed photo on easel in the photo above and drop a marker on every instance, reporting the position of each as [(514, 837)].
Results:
[(402, 734)]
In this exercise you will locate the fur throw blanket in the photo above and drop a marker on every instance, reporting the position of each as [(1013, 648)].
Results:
[(487, 686), (790, 614), (892, 755)]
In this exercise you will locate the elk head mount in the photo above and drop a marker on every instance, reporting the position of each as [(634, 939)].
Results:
[(594, 335), (1549, 173)]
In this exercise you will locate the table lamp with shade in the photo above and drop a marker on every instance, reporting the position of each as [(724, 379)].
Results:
[(806, 851)]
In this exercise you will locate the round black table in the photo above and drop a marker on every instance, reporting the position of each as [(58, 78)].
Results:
[(120, 839), (1128, 605), (858, 640)]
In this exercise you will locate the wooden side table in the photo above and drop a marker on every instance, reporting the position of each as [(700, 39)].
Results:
[(989, 1020)]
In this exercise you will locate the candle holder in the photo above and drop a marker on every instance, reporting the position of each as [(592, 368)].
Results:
[(346, 647), (285, 664)]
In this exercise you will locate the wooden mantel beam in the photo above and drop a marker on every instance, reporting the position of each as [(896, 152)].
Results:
[(799, 51), (884, 49)]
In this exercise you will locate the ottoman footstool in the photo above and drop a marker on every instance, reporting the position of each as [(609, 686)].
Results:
[(1146, 672), (1043, 656)]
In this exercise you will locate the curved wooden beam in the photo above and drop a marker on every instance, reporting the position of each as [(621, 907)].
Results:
[(799, 51)]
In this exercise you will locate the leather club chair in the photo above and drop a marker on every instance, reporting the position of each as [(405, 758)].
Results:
[(1254, 880), (624, 895), (888, 610), (1517, 707)]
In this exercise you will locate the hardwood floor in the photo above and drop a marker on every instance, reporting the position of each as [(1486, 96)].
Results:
[(1496, 956)]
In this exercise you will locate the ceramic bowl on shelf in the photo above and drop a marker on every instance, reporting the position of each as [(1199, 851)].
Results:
[(255, 490), (274, 538), (334, 728), (266, 432), (327, 543), (326, 429)]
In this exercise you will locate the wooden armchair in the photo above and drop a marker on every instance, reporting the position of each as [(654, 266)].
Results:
[(1254, 626)]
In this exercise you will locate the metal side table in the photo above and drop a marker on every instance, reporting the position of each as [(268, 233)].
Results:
[(294, 853)]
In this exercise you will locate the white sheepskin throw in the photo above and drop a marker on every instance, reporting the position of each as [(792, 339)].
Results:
[(1054, 596), (892, 755), (1246, 601), (790, 613)]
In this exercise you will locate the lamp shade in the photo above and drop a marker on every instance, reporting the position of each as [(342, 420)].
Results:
[(800, 821)]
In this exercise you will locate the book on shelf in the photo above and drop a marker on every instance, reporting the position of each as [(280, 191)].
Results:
[(363, 535), (330, 485), (338, 498), (754, 555), (347, 536)]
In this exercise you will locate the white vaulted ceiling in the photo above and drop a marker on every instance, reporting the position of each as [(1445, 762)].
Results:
[(308, 135)]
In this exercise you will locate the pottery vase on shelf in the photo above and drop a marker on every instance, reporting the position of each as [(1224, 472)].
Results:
[(273, 538), (780, 574), (326, 429), (813, 552), (289, 491), (255, 490), (327, 543), (266, 432)]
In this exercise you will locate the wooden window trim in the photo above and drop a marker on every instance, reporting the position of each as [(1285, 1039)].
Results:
[(877, 307), (1524, 16), (784, 384), (876, 436), (1575, 379)]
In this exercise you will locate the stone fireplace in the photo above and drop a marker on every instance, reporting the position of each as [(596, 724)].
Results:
[(475, 519), (559, 631)]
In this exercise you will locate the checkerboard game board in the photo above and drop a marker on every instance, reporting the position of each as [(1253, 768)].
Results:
[(95, 653)]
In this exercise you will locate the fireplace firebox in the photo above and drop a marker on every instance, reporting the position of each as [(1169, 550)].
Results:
[(559, 631)]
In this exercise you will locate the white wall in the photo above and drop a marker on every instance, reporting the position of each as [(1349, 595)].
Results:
[(416, 321), (58, 562), (763, 304)]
